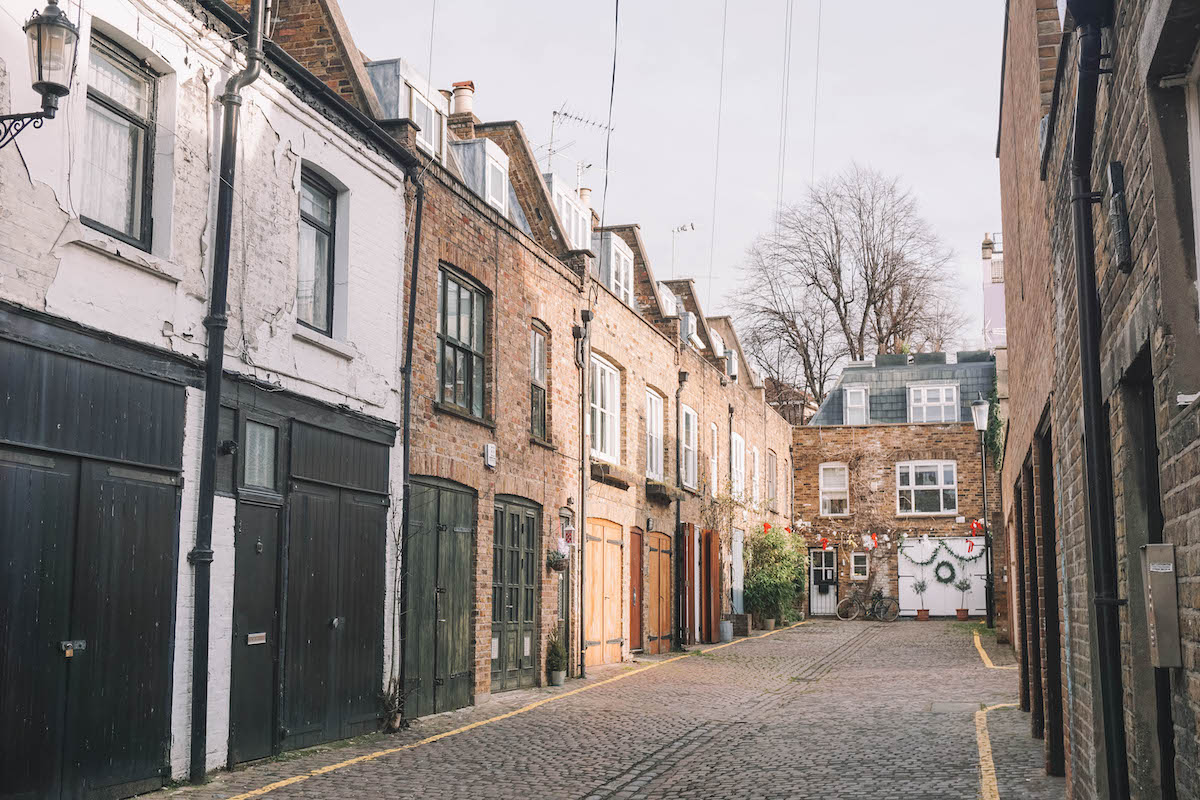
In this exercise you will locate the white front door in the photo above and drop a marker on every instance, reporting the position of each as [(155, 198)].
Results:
[(823, 582), (739, 571)]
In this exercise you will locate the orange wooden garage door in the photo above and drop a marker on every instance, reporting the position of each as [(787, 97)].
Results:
[(602, 611)]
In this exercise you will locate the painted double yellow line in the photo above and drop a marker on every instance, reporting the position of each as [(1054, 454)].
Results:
[(989, 790), (292, 781)]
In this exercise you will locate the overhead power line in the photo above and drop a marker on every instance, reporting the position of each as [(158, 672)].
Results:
[(612, 89), (712, 238)]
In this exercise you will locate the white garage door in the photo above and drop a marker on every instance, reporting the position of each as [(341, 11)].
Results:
[(942, 599)]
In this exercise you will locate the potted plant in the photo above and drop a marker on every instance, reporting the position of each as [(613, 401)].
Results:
[(920, 587), (557, 559), (963, 585), (556, 660), (770, 587)]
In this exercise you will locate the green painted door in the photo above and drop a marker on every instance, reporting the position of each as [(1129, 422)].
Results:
[(438, 646), (514, 580)]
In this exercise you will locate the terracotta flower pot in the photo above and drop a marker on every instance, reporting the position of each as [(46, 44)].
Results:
[(768, 624), (962, 614), (922, 614)]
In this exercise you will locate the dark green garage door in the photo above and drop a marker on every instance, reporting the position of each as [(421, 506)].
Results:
[(514, 594), (438, 646)]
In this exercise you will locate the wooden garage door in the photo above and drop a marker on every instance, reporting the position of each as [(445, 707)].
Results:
[(602, 614), (658, 594)]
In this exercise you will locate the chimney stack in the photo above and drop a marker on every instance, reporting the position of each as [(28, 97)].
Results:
[(988, 245), (464, 98)]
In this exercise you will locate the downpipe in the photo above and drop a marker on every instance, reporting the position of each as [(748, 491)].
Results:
[(201, 555), (1097, 467), (583, 360), (677, 611)]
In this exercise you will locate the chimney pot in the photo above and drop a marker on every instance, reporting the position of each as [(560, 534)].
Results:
[(464, 98), (585, 196)]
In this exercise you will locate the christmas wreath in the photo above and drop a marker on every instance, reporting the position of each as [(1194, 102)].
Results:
[(944, 572)]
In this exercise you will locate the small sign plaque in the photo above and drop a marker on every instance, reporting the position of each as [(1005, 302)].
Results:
[(256, 638), (1161, 567)]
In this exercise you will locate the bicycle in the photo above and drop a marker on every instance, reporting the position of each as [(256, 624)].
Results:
[(885, 609)]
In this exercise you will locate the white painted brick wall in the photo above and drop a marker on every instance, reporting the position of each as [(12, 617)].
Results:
[(51, 262)]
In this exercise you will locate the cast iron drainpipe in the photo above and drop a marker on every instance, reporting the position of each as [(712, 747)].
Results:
[(201, 555), (406, 443), (678, 611), (1098, 469)]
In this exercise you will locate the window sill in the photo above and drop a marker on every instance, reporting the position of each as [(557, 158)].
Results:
[(834, 516), (326, 343), (453, 411), (919, 514), (540, 442), (82, 235)]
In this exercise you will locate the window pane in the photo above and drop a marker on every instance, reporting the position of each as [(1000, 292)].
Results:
[(949, 500), (933, 396), (480, 318), (837, 505), (113, 176), (260, 455), (464, 315), (316, 203), (904, 476), (906, 501), (126, 87), (537, 411), (312, 279), (451, 329), (460, 379), (477, 388), (928, 500), (948, 473), (448, 371), (926, 476)]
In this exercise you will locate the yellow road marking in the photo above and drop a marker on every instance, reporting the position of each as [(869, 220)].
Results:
[(989, 790), (270, 787), (987, 661)]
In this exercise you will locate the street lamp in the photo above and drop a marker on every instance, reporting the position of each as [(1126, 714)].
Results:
[(52, 41), (979, 414)]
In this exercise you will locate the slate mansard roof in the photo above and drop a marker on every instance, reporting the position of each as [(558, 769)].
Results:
[(888, 379)]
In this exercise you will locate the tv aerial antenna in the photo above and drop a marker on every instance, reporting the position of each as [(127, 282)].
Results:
[(564, 116)]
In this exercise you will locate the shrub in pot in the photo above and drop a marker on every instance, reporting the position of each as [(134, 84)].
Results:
[(963, 585), (920, 587), (770, 584), (556, 660)]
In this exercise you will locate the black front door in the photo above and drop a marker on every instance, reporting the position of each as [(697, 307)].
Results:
[(438, 645), (255, 632), (88, 582), (514, 580)]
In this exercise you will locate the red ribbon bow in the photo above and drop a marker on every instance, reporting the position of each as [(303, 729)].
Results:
[(766, 527)]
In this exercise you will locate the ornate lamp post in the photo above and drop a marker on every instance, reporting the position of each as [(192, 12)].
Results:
[(52, 44), (979, 414)]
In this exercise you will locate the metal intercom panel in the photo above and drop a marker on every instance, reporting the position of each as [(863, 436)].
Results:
[(1162, 604)]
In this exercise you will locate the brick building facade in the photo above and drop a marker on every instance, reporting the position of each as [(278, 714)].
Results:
[(858, 459), (1149, 373)]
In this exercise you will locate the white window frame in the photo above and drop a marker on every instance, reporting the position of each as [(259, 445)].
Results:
[(826, 492), (738, 478), (498, 201), (855, 573), (755, 483), (772, 478), (604, 410), (689, 439), (575, 217), (919, 405), (941, 486), (654, 435), (848, 393), (428, 140), (620, 269), (714, 461), (1192, 110)]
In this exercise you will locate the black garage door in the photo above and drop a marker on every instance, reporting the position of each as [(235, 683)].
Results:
[(89, 508)]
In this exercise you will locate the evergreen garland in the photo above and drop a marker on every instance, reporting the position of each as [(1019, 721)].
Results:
[(938, 548)]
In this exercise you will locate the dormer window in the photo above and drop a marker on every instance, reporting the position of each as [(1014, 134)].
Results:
[(855, 405), (717, 342), (576, 218), (497, 185), (933, 403), (616, 265), (427, 118)]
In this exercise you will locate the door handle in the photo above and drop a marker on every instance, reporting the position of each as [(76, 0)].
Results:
[(336, 622)]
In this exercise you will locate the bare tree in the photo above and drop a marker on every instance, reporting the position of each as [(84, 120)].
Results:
[(850, 271)]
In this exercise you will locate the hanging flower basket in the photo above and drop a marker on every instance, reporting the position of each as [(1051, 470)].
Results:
[(556, 561), (945, 573)]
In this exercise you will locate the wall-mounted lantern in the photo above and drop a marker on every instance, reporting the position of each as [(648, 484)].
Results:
[(52, 46)]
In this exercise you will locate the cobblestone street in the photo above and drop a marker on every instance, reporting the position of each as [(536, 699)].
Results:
[(824, 710)]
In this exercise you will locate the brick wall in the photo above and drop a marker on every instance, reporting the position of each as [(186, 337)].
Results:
[(871, 453)]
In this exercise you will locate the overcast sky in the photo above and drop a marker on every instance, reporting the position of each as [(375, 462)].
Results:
[(908, 88)]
